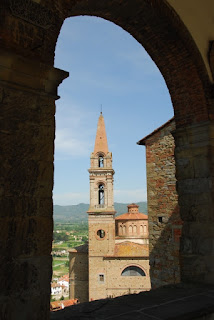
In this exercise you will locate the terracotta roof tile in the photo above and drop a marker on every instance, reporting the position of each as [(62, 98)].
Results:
[(64, 278), (70, 302), (132, 216), (131, 249), (61, 304)]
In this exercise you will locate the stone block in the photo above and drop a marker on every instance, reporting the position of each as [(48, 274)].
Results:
[(194, 186), (24, 237), (30, 276)]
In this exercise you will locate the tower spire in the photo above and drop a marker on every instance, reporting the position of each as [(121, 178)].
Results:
[(101, 144)]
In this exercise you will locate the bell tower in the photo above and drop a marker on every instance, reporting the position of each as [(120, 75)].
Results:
[(101, 213), (101, 173)]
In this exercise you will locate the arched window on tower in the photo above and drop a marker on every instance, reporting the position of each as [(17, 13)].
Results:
[(133, 271), (101, 162), (101, 194)]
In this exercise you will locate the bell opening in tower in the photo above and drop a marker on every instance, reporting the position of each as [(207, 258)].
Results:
[(101, 194), (101, 162)]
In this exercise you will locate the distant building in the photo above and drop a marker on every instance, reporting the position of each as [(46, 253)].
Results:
[(64, 280), (61, 304), (116, 259), (56, 289), (61, 287)]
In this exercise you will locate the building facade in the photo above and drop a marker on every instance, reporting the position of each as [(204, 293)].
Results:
[(118, 249)]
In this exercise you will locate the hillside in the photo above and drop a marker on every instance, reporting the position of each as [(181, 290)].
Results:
[(77, 213)]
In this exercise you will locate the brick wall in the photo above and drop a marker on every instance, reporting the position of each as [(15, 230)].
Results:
[(163, 210)]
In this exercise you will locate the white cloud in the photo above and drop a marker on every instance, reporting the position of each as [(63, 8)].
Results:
[(129, 196), (70, 144), (70, 140)]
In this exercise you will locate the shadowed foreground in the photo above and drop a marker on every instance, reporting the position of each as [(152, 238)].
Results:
[(180, 301)]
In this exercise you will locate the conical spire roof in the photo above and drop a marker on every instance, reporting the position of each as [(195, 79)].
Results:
[(101, 144)]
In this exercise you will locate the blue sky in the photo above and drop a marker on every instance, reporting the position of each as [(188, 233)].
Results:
[(107, 66)]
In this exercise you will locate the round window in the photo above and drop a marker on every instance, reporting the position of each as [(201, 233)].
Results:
[(101, 233)]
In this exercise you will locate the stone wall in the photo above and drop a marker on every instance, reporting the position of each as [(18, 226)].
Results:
[(78, 273), (114, 284), (27, 118), (107, 261), (98, 247), (26, 182), (196, 200), (119, 285), (163, 211)]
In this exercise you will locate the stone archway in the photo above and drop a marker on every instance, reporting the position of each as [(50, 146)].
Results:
[(28, 90)]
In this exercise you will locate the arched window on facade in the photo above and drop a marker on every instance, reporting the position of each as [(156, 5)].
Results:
[(141, 230), (100, 162), (130, 230), (145, 229), (135, 229), (101, 194), (133, 271)]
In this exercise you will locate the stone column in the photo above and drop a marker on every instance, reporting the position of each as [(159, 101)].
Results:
[(28, 90), (194, 172), (109, 191)]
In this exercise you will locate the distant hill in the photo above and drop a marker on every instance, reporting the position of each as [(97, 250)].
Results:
[(77, 213)]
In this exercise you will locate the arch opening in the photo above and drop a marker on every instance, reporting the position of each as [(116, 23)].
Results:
[(120, 120), (101, 162), (101, 195), (133, 271), (176, 103)]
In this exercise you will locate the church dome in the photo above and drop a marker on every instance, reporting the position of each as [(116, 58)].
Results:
[(132, 214), (132, 224)]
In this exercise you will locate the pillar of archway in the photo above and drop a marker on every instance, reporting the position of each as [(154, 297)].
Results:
[(28, 91), (195, 185)]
